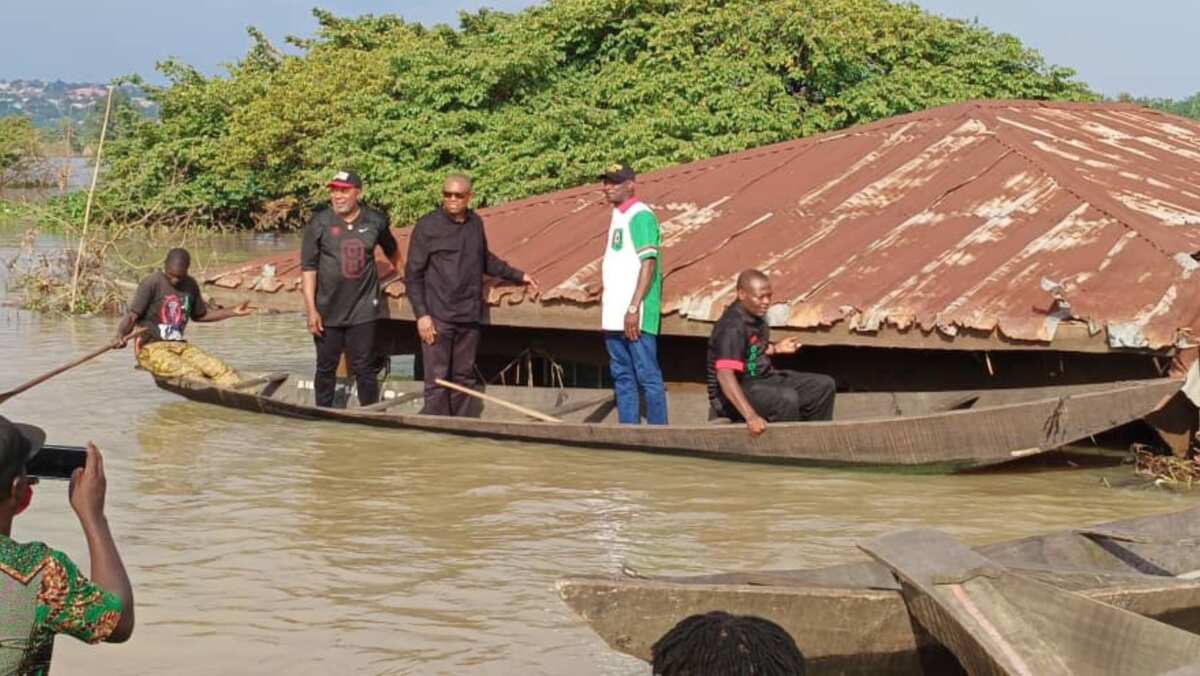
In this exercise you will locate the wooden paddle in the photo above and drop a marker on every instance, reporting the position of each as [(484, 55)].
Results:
[(5, 396), (499, 402)]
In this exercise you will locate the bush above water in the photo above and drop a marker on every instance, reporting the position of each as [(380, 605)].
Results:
[(537, 101)]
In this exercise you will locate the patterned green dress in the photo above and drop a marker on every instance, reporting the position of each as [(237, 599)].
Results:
[(43, 594)]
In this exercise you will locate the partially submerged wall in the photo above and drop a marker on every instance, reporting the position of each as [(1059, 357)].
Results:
[(584, 362)]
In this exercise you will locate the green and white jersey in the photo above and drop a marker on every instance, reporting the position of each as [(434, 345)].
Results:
[(633, 237)]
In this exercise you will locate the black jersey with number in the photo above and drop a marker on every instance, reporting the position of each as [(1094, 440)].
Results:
[(343, 255)]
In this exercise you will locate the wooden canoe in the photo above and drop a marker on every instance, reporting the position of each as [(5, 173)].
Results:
[(851, 618), (999, 622), (928, 431)]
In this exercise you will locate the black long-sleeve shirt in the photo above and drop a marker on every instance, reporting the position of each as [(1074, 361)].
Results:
[(443, 276)]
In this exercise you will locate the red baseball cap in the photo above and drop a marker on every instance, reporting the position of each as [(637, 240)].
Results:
[(345, 179)]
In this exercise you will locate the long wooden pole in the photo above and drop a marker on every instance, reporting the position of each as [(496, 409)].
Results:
[(499, 402), (87, 210), (5, 396)]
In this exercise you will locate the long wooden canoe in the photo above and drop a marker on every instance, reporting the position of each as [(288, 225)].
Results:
[(851, 618), (999, 622), (931, 431)]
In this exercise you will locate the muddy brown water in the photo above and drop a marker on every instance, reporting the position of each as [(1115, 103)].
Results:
[(264, 545)]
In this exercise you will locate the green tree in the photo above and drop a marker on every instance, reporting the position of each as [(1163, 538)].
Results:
[(120, 122), (538, 100), (22, 157)]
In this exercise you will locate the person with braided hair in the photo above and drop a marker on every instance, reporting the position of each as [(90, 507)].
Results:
[(720, 644)]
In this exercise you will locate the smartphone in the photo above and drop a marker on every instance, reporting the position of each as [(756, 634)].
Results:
[(56, 462)]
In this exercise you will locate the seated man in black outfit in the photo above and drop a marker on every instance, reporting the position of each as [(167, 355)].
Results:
[(741, 383)]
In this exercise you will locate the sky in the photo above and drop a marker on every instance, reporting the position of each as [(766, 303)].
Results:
[(1142, 47)]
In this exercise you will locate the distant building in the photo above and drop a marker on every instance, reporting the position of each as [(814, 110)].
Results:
[(90, 92)]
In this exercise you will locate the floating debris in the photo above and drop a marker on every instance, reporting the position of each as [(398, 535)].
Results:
[(43, 280), (1165, 469)]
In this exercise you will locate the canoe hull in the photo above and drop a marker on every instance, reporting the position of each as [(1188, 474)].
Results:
[(998, 620), (852, 619), (935, 442), (840, 631)]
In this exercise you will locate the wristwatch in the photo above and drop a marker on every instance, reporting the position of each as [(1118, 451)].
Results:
[(633, 309)]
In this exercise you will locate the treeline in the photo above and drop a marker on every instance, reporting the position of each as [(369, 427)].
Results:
[(27, 147), (22, 152), (1189, 107), (538, 100)]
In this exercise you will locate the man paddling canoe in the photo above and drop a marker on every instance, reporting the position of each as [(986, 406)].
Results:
[(163, 303)]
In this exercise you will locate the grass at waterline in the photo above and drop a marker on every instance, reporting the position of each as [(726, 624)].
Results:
[(11, 210), (41, 270)]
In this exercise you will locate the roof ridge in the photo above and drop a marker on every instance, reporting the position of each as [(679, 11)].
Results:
[(718, 162), (1117, 212), (721, 161)]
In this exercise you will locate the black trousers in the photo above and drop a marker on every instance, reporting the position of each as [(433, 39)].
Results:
[(452, 358), (358, 342), (786, 396)]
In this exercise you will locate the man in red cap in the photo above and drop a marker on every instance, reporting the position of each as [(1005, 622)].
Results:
[(44, 593), (341, 286)]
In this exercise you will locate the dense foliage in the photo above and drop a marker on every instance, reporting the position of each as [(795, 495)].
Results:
[(539, 100), (21, 151)]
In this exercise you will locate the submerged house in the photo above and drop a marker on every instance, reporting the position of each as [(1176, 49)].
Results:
[(986, 244)]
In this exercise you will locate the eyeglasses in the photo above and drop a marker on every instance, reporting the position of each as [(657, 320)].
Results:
[(450, 194)]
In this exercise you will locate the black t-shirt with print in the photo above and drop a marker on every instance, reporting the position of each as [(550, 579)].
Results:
[(343, 255), (165, 308), (738, 342)]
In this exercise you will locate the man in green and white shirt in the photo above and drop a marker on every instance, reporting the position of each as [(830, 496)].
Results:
[(631, 305)]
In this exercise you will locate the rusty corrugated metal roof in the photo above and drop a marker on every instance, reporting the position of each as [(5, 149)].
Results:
[(969, 217)]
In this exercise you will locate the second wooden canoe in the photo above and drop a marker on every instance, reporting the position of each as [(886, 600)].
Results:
[(851, 618)]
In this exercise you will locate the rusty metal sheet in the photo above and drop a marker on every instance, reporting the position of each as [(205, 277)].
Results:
[(1005, 217)]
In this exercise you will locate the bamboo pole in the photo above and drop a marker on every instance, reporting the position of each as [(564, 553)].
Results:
[(499, 402), (5, 396), (87, 210)]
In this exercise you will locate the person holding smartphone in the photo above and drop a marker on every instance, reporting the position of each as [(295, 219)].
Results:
[(44, 592)]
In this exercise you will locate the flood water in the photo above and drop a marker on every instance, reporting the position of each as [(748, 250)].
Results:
[(263, 545)]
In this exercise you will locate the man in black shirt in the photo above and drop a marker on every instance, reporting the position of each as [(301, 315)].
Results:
[(163, 304), (447, 258), (741, 383), (341, 286)]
